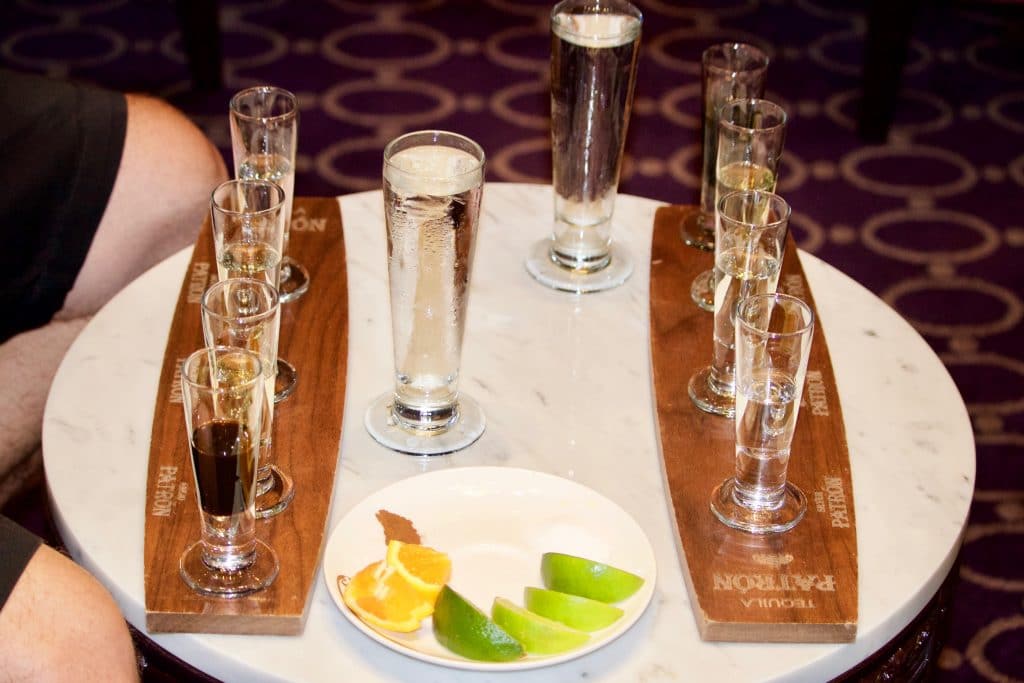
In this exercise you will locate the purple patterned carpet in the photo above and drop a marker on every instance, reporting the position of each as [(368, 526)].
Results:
[(931, 221)]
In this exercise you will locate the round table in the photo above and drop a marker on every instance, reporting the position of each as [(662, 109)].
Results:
[(565, 382)]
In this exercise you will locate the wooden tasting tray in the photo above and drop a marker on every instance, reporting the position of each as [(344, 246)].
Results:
[(307, 432), (800, 586)]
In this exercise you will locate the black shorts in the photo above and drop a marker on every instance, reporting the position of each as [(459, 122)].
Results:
[(17, 546), (61, 145)]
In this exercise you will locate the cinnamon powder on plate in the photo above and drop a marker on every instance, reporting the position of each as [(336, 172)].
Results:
[(397, 528)]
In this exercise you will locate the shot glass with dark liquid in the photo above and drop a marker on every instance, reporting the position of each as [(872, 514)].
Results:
[(223, 394)]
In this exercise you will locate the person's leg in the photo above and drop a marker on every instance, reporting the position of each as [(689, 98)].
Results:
[(59, 624), (28, 363), (110, 185), (160, 197)]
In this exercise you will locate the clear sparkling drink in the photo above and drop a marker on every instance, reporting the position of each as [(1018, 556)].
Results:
[(739, 273), (593, 69), (432, 202), (743, 175), (257, 260), (766, 412), (275, 168)]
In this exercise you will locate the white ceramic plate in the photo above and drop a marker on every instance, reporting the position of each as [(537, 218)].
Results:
[(494, 523)]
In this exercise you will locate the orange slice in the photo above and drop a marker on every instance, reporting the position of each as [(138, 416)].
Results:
[(383, 598), (425, 568)]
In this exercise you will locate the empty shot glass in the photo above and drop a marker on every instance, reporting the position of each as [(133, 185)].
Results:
[(728, 71), (248, 236), (750, 240), (433, 184), (595, 45), (223, 394), (246, 313), (773, 344)]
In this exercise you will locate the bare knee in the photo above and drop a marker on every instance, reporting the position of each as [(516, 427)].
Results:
[(160, 197), (60, 624)]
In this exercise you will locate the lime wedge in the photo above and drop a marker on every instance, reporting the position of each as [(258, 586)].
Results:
[(539, 635), (462, 628), (587, 578), (572, 610)]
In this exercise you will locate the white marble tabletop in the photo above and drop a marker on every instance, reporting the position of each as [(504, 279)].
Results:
[(565, 382)]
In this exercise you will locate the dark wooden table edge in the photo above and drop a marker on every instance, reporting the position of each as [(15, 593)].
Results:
[(913, 654)]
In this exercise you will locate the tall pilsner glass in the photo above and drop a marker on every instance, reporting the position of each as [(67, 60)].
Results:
[(223, 395), (433, 183), (264, 135), (595, 45), (749, 245), (248, 226), (247, 313), (728, 71)]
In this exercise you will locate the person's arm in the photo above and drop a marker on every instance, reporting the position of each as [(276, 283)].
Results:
[(59, 624), (161, 195)]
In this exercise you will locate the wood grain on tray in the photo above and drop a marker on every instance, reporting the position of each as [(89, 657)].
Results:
[(307, 433)]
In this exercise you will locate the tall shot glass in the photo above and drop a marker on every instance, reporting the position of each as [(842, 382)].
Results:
[(433, 184), (223, 395), (264, 137), (773, 344), (246, 313), (749, 243), (595, 45), (728, 71), (751, 135), (248, 234)]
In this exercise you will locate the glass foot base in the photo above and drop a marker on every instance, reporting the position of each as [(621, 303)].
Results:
[(294, 280), (782, 518), (549, 272), (285, 381), (702, 291), (698, 231), (203, 579), (277, 495), (383, 427), (706, 398)]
